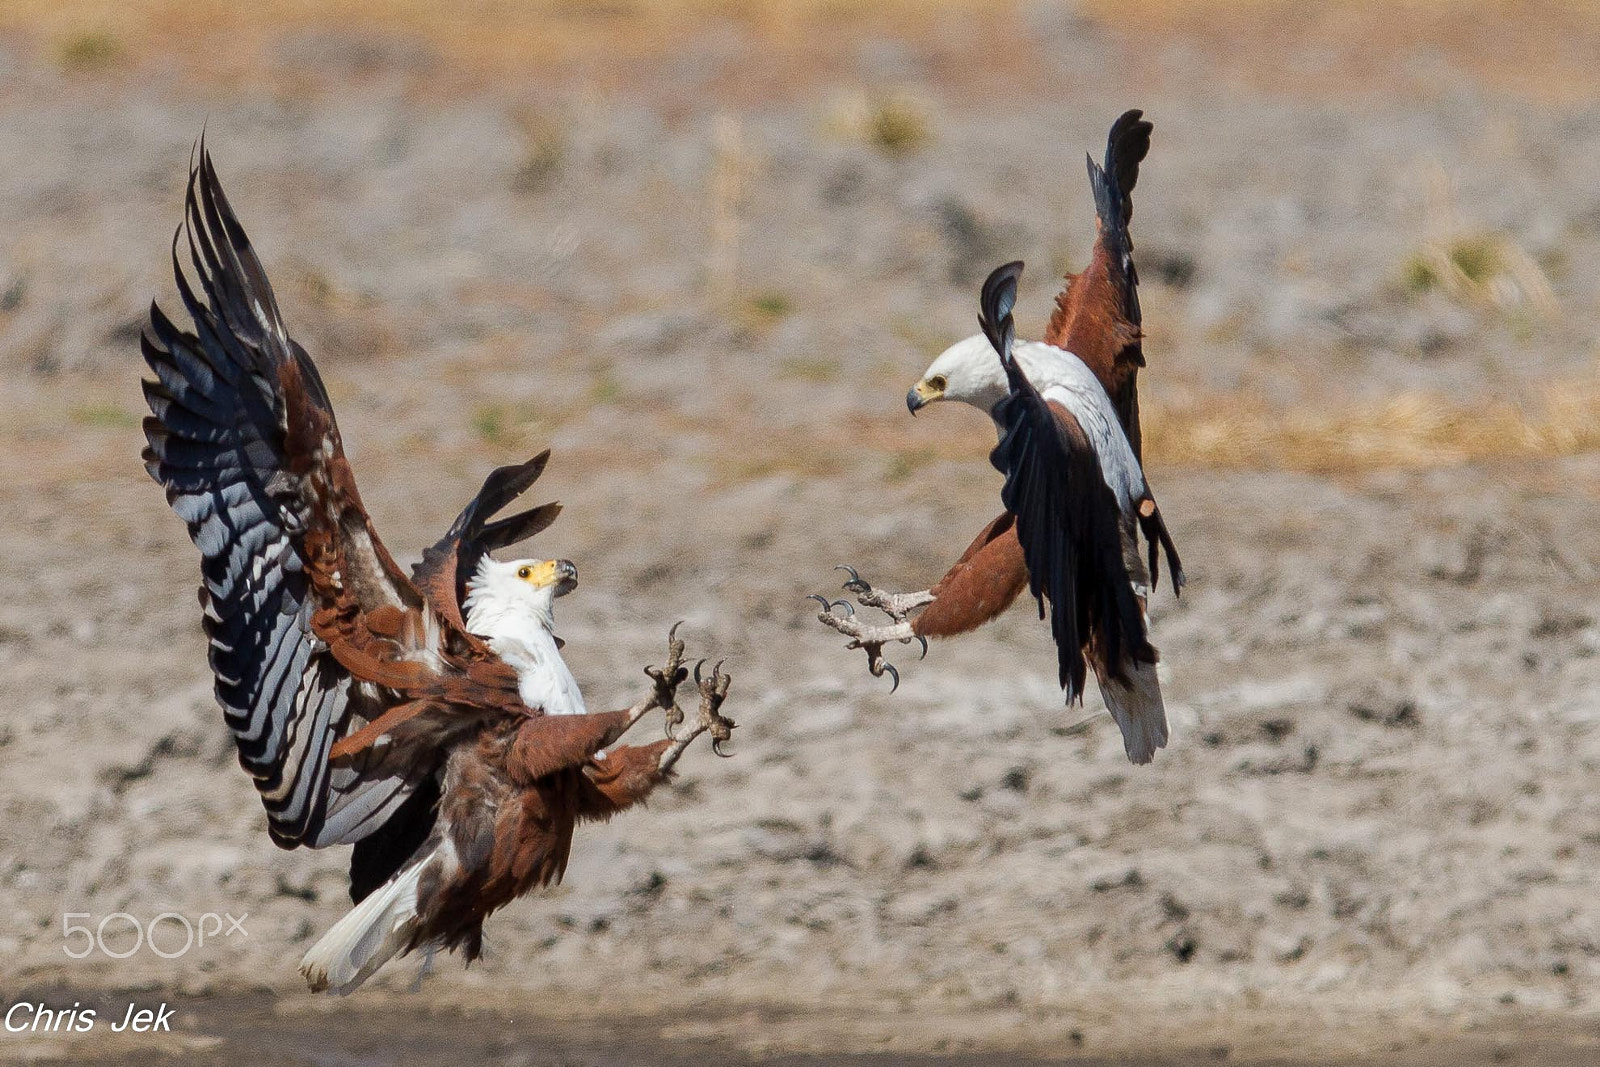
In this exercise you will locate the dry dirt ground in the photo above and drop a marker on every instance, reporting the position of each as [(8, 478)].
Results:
[(702, 257)]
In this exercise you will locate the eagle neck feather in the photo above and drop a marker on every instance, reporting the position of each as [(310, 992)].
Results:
[(520, 630)]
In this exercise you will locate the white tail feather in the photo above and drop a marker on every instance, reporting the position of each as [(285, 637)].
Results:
[(373, 933), (1137, 707)]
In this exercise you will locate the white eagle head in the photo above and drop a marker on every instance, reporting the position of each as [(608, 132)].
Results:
[(968, 371), (518, 590)]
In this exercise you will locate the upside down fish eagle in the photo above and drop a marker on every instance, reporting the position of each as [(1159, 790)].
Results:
[(1066, 411)]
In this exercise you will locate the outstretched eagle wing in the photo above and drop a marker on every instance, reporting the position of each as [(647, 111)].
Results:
[(1069, 521), (1097, 316), (314, 630)]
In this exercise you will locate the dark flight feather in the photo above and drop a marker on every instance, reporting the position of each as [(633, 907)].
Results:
[(1068, 521)]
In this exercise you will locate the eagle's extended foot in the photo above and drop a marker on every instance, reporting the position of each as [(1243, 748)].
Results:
[(896, 605), (713, 691), (870, 638), (667, 679)]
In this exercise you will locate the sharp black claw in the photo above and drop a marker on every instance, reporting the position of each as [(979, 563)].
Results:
[(924, 642), (827, 605), (697, 667), (856, 584), (889, 669), (849, 609)]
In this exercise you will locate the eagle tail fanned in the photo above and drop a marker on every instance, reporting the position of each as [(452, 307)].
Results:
[(375, 931), (1134, 701)]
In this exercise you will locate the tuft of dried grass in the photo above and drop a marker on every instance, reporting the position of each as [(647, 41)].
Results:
[(770, 306), (489, 423), (905, 464), (1485, 269), (510, 426), (813, 370), (89, 50), (545, 140), (896, 124), (604, 385), (103, 416)]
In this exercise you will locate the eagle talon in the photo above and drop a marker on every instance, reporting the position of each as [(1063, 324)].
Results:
[(876, 664), (840, 615), (668, 678), (713, 691), (898, 606), (893, 674), (674, 718), (664, 688), (856, 584)]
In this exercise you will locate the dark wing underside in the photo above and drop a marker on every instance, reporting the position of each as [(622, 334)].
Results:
[(297, 589), (1067, 518)]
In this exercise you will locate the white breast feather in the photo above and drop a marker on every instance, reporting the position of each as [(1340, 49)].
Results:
[(528, 646)]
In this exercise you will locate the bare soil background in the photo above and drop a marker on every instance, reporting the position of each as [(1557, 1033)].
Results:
[(701, 250)]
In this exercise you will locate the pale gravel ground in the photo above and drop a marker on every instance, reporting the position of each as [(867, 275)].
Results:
[(1379, 799)]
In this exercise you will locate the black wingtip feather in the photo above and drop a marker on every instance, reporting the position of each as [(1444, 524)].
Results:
[(1113, 181), (999, 296), (1112, 184), (1126, 146), (472, 534), (500, 488), (1066, 515), (519, 527)]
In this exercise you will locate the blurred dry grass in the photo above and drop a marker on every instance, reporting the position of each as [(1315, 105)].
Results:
[(603, 41), (1217, 431), (1474, 266), (1410, 430), (1339, 46), (896, 123), (1541, 48)]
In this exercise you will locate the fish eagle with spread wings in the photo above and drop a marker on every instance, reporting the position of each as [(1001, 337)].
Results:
[(1067, 414), (428, 720)]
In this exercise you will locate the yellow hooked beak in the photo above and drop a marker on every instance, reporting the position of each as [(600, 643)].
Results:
[(561, 573), (925, 392)]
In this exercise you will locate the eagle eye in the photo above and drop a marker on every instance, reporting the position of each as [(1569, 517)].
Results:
[(524, 572), (938, 382)]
